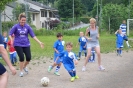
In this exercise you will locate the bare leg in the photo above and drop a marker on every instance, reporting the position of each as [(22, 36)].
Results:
[(21, 64), (3, 80), (26, 63), (88, 56), (97, 49)]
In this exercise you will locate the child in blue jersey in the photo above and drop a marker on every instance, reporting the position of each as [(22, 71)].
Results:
[(58, 48), (69, 61), (5, 39), (119, 41), (82, 42)]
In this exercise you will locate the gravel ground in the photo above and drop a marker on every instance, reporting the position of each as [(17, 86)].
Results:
[(118, 74)]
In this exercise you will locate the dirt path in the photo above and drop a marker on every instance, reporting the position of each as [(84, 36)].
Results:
[(118, 74)]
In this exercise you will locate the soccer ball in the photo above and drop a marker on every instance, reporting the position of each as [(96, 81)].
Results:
[(45, 81)]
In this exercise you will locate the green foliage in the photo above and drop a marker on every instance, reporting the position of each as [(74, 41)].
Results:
[(3, 3), (85, 19), (65, 8), (116, 13), (20, 8), (7, 25)]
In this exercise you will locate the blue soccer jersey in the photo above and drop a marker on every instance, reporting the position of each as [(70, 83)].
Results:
[(68, 60), (59, 45), (123, 27), (82, 41), (119, 38)]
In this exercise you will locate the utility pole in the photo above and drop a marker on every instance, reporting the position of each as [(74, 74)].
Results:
[(26, 11), (73, 13), (129, 9), (97, 12), (0, 23)]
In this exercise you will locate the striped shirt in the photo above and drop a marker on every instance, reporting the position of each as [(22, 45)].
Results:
[(123, 27)]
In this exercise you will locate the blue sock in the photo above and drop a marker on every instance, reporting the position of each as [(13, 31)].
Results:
[(85, 54), (74, 73), (117, 51), (120, 51), (79, 54), (57, 68), (93, 56), (71, 73)]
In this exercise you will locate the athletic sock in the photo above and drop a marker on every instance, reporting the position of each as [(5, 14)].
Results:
[(79, 54), (118, 51), (74, 73), (85, 54), (127, 43), (57, 68), (71, 73)]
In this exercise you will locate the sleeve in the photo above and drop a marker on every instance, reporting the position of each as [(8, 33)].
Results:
[(55, 44), (120, 27), (1, 40), (75, 57), (13, 29), (30, 31), (116, 34)]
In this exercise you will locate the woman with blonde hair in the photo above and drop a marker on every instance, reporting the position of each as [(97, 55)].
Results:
[(92, 35), (22, 43)]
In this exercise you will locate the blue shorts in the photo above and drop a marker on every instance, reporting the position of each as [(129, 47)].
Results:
[(59, 59), (125, 38), (2, 69), (81, 48), (69, 67), (119, 45)]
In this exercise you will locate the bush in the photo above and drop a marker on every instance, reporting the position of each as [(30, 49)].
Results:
[(85, 19), (7, 25)]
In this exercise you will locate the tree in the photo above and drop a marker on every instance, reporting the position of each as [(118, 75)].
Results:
[(65, 8), (20, 8), (2, 6), (115, 13)]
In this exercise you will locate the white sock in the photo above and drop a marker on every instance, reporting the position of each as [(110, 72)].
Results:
[(127, 43)]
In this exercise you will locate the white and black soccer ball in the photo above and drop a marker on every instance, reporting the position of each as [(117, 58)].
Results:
[(45, 81)]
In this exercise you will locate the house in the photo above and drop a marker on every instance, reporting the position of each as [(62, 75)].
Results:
[(40, 14)]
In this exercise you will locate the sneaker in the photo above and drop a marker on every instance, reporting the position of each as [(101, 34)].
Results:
[(49, 68), (26, 70), (78, 58), (76, 77), (21, 74), (83, 68), (72, 79), (101, 68), (56, 73)]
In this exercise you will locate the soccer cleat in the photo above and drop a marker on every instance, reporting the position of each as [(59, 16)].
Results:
[(101, 68), (49, 68), (21, 74), (56, 73), (26, 70), (83, 68), (78, 58), (72, 79), (76, 77)]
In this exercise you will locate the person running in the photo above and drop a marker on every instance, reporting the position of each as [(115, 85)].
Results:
[(3, 72), (58, 48), (82, 42), (123, 27), (69, 61), (93, 42), (22, 43)]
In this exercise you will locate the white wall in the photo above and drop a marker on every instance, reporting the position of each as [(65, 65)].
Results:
[(8, 12)]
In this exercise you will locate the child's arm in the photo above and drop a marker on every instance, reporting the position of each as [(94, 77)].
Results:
[(116, 32), (56, 50)]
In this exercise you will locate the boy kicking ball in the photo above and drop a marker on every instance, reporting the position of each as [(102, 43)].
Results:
[(69, 61)]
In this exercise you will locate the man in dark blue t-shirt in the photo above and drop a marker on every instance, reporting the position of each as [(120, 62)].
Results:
[(3, 72)]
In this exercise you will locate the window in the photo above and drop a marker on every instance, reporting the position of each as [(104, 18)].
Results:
[(33, 16), (42, 13), (50, 14), (45, 13)]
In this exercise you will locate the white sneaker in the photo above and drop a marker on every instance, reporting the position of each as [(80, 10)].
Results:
[(83, 68), (26, 70), (21, 74), (101, 68)]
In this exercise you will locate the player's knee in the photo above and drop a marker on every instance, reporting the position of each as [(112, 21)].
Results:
[(5, 75)]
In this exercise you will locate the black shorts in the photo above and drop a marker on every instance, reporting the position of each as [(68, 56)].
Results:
[(2, 69), (23, 50)]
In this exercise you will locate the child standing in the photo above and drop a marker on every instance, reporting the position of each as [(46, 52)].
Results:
[(119, 41), (82, 42), (69, 61), (5, 39), (58, 48), (12, 51)]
